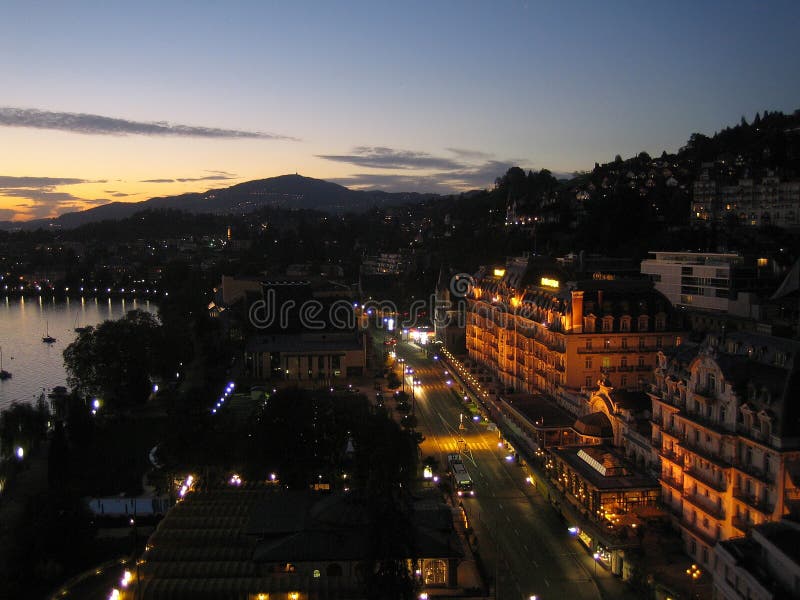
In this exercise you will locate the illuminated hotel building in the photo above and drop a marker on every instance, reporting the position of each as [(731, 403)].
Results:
[(540, 328), (726, 424)]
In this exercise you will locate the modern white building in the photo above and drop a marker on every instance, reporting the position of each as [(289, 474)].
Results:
[(693, 279)]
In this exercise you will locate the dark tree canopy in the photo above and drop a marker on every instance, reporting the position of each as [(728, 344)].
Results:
[(116, 360)]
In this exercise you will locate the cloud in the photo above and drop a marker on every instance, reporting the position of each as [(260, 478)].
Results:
[(44, 200), (206, 178), (100, 125), (216, 176), (381, 157), (445, 182), (119, 194), (7, 214), (6, 181), (472, 154)]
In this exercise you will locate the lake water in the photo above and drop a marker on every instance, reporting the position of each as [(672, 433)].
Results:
[(33, 364)]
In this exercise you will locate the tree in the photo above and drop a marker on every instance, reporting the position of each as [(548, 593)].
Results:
[(21, 425), (115, 361), (393, 381)]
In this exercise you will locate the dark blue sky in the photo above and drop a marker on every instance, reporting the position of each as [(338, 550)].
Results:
[(404, 95)]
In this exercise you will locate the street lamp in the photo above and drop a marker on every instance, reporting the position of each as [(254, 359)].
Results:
[(694, 572), (596, 557)]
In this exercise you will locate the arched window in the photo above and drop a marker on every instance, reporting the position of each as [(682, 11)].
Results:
[(434, 571)]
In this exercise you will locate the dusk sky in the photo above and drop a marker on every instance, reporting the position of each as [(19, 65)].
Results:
[(105, 101)]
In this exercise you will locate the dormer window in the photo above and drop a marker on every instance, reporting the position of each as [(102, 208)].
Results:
[(589, 324), (608, 323), (643, 322), (625, 323), (711, 383), (661, 322)]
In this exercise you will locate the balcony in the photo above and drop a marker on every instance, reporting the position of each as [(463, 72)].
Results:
[(753, 502), (710, 455), (716, 484), (714, 510), (708, 423), (671, 432), (672, 482), (671, 456), (693, 529), (742, 525), (704, 393), (603, 350), (753, 471)]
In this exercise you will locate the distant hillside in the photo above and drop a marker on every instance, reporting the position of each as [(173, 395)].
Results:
[(285, 191)]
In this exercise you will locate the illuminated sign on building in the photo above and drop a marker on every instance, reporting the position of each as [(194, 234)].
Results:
[(547, 282), (499, 272), (603, 277)]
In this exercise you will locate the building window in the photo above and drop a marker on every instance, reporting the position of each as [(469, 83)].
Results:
[(623, 381), (588, 344), (643, 322), (623, 362), (624, 343), (434, 571), (641, 361), (588, 382), (588, 362), (606, 344), (625, 324), (608, 323), (659, 342), (641, 343), (711, 383)]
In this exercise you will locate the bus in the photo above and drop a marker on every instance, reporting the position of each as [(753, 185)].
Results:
[(462, 482)]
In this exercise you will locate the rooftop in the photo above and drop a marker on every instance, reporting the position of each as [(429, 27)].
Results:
[(619, 475)]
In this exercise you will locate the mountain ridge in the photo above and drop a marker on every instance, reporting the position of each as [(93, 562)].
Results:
[(291, 191)]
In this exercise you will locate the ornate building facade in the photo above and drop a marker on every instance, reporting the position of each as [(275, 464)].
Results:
[(726, 425), (542, 329)]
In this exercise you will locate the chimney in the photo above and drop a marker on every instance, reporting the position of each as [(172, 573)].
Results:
[(577, 311)]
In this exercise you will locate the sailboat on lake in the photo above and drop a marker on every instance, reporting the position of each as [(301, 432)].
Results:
[(47, 338), (77, 328), (3, 373)]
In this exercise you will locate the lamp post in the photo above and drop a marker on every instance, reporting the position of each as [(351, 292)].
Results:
[(694, 572), (596, 557)]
